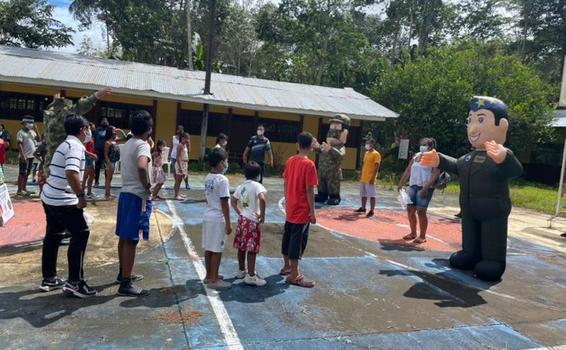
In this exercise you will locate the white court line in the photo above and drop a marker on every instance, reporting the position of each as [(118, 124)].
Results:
[(226, 327)]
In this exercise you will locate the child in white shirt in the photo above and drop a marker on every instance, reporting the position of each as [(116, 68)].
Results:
[(249, 202), (216, 220)]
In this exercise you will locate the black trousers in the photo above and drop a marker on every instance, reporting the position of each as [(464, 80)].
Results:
[(98, 165), (262, 170), (59, 219), (295, 238), (484, 246)]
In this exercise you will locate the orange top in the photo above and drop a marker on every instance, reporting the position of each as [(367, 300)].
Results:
[(299, 173), (371, 159)]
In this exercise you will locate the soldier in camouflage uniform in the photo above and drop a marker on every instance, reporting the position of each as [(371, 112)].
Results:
[(330, 158), (55, 115)]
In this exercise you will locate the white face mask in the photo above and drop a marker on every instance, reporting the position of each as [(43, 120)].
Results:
[(423, 148), (260, 132), (368, 147), (223, 143), (29, 125), (88, 136)]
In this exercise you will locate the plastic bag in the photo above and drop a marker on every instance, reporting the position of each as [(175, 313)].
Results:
[(88, 218), (404, 198)]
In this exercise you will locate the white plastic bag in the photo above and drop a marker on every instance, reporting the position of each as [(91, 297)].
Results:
[(88, 218), (403, 198)]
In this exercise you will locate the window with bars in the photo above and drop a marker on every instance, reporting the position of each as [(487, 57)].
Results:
[(276, 130), (14, 106), (120, 114)]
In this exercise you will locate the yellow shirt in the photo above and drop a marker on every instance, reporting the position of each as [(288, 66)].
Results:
[(371, 158)]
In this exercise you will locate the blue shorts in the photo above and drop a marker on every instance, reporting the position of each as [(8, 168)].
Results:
[(133, 218), (421, 202), (89, 161)]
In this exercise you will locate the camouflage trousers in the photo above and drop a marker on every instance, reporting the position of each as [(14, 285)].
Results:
[(329, 183)]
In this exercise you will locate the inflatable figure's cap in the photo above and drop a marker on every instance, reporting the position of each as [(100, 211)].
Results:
[(495, 105), (342, 119)]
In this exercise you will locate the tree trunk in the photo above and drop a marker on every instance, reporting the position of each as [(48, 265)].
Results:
[(189, 35)]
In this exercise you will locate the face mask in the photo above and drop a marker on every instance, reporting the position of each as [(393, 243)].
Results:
[(29, 125), (223, 143), (368, 147), (423, 149), (225, 168), (260, 133), (88, 136), (258, 178)]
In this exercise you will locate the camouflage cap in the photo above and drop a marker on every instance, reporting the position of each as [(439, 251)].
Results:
[(342, 119)]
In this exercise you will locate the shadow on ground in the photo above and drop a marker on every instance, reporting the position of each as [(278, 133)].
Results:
[(441, 287), (41, 309)]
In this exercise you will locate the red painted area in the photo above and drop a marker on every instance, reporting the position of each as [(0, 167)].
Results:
[(27, 225), (388, 227)]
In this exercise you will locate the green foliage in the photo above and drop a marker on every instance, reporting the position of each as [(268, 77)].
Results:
[(431, 94), (313, 42), (30, 23), (541, 40)]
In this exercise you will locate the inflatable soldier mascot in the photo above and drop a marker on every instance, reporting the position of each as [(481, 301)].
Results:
[(330, 158), (484, 175)]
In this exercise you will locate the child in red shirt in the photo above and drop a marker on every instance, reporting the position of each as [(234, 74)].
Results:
[(300, 180), (4, 145)]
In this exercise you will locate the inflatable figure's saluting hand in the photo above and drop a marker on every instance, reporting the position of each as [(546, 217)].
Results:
[(495, 151)]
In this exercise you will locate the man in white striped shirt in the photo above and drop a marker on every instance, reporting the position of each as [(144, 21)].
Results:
[(63, 201)]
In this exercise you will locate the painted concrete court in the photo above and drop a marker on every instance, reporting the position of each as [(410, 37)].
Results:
[(373, 291)]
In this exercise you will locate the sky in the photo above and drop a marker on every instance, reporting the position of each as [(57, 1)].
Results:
[(95, 33)]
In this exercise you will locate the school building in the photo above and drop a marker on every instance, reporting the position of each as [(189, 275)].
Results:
[(29, 78)]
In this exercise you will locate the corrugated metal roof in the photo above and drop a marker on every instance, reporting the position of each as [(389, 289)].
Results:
[(559, 119), (76, 71)]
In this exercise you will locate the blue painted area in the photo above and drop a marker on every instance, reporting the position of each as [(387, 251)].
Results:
[(281, 316), (441, 267), (353, 201), (192, 212), (470, 338), (549, 277), (558, 324), (280, 312)]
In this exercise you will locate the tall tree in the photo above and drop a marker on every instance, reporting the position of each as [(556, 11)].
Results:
[(410, 27), (542, 39), (30, 23), (317, 40)]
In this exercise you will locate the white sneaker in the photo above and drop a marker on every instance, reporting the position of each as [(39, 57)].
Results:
[(220, 284), (254, 281), (241, 274)]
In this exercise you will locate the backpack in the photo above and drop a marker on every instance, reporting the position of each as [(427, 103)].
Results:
[(114, 153), (442, 181)]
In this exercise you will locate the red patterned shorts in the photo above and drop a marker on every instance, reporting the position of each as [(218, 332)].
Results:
[(248, 235)]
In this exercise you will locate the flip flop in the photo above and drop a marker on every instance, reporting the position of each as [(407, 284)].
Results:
[(301, 282), (205, 281), (419, 240), (409, 237), (284, 272)]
